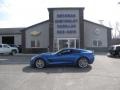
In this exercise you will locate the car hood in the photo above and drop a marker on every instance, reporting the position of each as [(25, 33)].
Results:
[(46, 54)]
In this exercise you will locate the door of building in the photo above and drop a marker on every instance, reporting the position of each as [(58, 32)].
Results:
[(8, 39), (66, 43)]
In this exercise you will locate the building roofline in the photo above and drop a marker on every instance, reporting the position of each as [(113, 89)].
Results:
[(24, 29), (65, 8), (35, 25), (98, 24), (13, 28)]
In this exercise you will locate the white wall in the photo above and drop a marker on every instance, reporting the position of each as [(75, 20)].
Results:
[(17, 39), (43, 37), (90, 34)]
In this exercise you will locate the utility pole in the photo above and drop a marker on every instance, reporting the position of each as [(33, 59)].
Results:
[(110, 25), (101, 22)]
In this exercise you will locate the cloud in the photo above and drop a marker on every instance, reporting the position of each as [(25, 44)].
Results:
[(3, 16), (27, 12)]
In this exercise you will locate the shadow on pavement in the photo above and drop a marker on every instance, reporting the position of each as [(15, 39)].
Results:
[(57, 69), (114, 57)]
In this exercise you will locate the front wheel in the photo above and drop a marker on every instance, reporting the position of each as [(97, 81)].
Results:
[(39, 63), (82, 63)]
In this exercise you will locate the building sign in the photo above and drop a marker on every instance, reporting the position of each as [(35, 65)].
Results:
[(66, 22), (35, 33)]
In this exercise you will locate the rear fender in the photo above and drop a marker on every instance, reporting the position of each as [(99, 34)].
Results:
[(82, 57)]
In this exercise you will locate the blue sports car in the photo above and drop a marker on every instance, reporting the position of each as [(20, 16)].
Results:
[(79, 57)]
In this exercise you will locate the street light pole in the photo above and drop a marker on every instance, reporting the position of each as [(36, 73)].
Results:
[(101, 22)]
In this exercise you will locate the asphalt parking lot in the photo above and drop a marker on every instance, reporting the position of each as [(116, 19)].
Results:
[(15, 74)]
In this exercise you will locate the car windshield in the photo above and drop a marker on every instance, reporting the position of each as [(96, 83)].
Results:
[(58, 51)]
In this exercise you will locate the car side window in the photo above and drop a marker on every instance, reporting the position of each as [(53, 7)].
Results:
[(64, 52), (75, 51), (5, 46)]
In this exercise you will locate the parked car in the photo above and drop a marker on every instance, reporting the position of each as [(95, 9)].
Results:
[(13, 45), (7, 49), (79, 57), (17, 46), (114, 50)]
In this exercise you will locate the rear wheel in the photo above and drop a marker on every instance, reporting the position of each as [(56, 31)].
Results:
[(40, 63), (13, 52), (82, 62), (119, 54)]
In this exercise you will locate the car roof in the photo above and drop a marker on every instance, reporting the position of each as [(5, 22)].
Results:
[(116, 45), (72, 49)]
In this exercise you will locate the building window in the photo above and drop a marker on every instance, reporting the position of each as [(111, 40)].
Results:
[(35, 43), (77, 43), (97, 43)]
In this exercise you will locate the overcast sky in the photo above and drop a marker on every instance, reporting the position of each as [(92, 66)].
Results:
[(23, 13)]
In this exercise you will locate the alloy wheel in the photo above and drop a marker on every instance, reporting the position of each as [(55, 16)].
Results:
[(83, 63), (40, 63)]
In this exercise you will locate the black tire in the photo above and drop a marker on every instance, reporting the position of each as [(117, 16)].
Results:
[(82, 62), (13, 52), (112, 54), (119, 54), (40, 63)]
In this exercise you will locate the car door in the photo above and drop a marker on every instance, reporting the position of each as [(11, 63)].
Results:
[(65, 56), (68, 56), (6, 49)]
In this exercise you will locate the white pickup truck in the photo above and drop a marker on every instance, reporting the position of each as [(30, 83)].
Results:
[(6, 49)]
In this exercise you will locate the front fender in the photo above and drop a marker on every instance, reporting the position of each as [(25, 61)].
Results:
[(82, 57), (40, 57)]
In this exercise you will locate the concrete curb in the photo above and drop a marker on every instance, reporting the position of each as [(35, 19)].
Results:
[(23, 54)]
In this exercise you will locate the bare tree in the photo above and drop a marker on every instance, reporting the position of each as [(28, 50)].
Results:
[(117, 30)]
